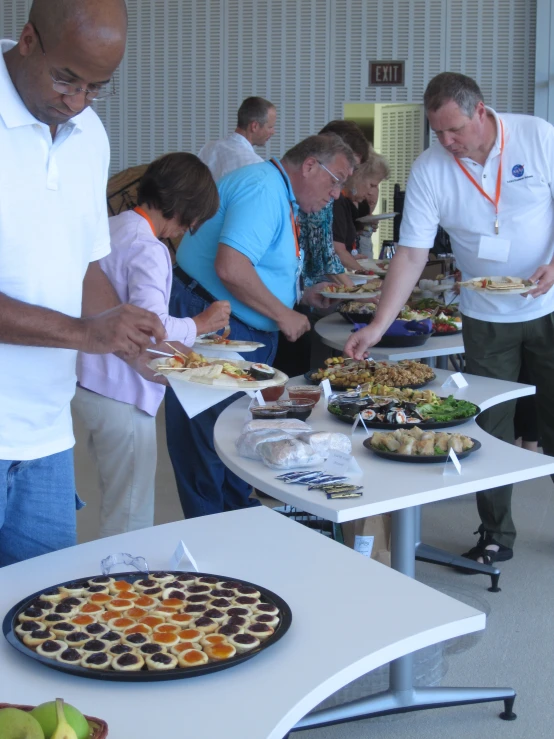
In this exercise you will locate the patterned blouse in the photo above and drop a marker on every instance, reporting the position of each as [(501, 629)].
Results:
[(316, 240)]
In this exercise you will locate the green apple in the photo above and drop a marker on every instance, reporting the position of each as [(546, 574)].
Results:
[(17, 724), (45, 714)]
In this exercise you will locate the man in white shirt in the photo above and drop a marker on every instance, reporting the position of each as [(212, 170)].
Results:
[(255, 126), (54, 298), (489, 182)]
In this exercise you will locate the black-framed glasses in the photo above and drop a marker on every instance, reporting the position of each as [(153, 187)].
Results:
[(96, 92)]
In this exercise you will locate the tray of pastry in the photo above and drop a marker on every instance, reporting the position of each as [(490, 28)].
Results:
[(145, 627)]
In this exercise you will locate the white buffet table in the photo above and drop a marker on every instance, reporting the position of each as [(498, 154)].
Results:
[(350, 615), (401, 488), (333, 331)]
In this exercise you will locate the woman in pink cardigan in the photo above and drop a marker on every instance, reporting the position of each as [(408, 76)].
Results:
[(116, 405)]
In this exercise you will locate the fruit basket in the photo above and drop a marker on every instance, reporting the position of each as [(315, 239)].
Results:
[(99, 728)]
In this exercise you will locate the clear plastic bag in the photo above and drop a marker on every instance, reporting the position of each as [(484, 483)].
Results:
[(247, 444), (323, 442), (288, 454)]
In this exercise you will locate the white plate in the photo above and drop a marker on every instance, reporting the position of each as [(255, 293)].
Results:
[(370, 264), (234, 346), (222, 382), (349, 296), (379, 217), (496, 278)]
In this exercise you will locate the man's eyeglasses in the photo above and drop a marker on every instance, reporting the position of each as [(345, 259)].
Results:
[(338, 183), (97, 92)]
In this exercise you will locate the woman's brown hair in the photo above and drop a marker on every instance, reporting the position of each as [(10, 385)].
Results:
[(180, 186)]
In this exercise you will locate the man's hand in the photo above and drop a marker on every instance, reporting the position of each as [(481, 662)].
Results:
[(216, 316), (311, 296), (544, 277), (140, 364), (125, 330), (359, 342), (293, 324)]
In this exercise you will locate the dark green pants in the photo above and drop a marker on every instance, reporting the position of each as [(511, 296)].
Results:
[(496, 350)]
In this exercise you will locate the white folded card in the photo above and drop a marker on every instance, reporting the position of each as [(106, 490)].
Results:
[(182, 559), (455, 380), (326, 387), (339, 463), (452, 464)]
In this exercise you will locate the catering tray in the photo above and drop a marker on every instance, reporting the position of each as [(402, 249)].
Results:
[(308, 378), (440, 334), (356, 317), (424, 425), (145, 675), (414, 458), (99, 728)]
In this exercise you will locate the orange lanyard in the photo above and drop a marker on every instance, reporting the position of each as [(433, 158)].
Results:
[(470, 177), (146, 217), (293, 220)]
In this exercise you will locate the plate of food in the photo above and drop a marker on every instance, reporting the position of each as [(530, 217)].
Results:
[(498, 285), (373, 218), (229, 345), (416, 445), (428, 411), (355, 311), (147, 627), (368, 290), (218, 373), (344, 373)]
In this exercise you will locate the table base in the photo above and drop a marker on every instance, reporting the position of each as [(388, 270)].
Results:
[(426, 553), (402, 696)]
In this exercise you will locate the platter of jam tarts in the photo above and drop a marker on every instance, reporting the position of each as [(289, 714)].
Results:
[(144, 627)]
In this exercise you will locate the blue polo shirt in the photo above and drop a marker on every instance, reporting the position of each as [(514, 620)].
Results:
[(254, 217)]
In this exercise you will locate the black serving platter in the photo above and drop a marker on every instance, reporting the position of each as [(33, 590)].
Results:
[(388, 342), (440, 334), (308, 378), (357, 317), (424, 425), (417, 459), (145, 675)]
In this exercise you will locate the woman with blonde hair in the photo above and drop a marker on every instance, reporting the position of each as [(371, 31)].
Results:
[(362, 185)]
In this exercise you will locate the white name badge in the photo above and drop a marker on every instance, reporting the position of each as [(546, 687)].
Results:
[(494, 249)]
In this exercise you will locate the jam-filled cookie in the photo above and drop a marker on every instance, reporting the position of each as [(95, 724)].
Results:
[(51, 647), (244, 642), (130, 662), (192, 658), (161, 661), (97, 661)]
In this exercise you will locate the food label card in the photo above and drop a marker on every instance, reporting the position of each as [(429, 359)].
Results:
[(326, 387), (358, 420), (455, 380), (183, 559), (452, 465), (364, 544), (337, 463)]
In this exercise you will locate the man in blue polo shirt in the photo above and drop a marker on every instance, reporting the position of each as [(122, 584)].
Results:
[(247, 254)]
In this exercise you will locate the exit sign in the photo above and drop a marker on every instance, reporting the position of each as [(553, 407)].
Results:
[(386, 73)]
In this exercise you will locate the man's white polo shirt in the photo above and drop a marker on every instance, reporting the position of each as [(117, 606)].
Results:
[(53, 222), (438, 192), (227, 154)]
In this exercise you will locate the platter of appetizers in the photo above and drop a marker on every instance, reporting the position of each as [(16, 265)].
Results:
[(416, 445), (143, 627), (344, 373)]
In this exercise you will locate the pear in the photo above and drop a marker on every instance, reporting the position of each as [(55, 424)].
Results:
[(17, 724), (46, 715)]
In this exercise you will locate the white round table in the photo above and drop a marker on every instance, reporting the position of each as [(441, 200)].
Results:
[(333, 331)]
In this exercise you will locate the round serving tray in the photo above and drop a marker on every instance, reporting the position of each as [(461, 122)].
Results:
[(145, 675), (308, 378), (356, 317), (440, 334), (424, 425), (420, 459)]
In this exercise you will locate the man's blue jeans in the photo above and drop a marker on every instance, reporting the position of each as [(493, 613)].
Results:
[(204, 484), (37, 507)]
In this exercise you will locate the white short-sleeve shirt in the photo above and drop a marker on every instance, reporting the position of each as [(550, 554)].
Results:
[(438, 192), (53, 223), (227, 154)]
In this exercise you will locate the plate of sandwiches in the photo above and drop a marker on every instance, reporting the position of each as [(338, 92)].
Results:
[(498, 285), (416, 445), (218, 373), (145, 627)]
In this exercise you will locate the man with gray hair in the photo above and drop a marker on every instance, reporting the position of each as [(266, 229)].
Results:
[(248, 253), (489, 182), (255, 126)]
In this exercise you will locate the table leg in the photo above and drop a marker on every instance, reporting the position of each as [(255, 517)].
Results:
[(402, 696), (442, 362), (426, 553)]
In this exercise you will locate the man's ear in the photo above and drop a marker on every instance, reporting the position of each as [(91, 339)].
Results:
[(253, 127), (27, 40), (308, 165)]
